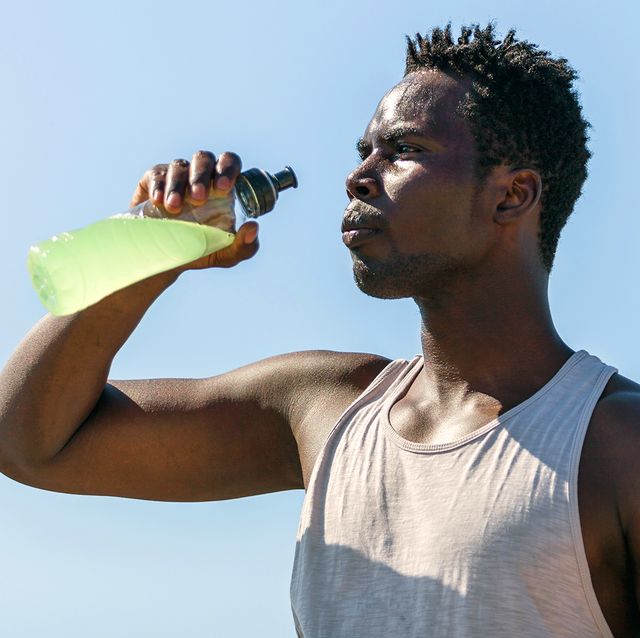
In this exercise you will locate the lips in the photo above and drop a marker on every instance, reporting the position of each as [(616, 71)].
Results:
[(362, 222), (357, 236)]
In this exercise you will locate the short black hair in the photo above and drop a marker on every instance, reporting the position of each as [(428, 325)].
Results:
[(522, 109)]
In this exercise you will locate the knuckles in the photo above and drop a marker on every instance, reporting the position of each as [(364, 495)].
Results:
[(159, 170), (200, 155), (227, 162), (228, 158), (179, 163)]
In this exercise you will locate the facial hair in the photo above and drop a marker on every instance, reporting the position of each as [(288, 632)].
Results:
[(429, 276)]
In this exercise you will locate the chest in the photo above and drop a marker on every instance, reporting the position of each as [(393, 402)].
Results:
[(460, 507), (472, 533), (603, 541), (511, 509)]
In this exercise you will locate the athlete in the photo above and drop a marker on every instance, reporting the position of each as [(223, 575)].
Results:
[(487, 487)]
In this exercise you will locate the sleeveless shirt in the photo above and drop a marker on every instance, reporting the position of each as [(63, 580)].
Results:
[(477, 537)]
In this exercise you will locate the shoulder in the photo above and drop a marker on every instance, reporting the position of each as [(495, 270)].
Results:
[(316, 372), (313, 366), (354, 368), (330, 366), (293, 381), (615, 421), (619, 405), (613, 441), (321, 385)]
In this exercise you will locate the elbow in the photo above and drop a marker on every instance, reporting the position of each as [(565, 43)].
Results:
[(16, 463), (29, 474), (13, 470)]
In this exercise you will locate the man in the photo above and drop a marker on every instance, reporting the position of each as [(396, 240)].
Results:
[(483, 488)]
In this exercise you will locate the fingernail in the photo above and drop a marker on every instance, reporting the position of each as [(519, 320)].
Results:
[(223, 183), (157, 195), (197, 191), (173, 199), (251, 235)]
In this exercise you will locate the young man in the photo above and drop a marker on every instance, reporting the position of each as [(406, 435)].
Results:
[(484, 488)]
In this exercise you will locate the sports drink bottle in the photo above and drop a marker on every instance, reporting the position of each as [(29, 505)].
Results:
[(74, 270)]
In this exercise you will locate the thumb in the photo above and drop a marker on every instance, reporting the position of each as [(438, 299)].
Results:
[(244, 246), (247, 233), (246, 243)]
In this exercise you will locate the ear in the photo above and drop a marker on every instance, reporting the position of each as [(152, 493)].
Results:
[(520, 193)]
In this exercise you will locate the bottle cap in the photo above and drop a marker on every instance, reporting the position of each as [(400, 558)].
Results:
[(258, 190)]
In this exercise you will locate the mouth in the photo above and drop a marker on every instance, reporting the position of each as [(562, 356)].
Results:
[(361, 223), (357, 236)]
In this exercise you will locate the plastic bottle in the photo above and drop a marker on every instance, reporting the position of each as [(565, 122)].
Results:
[(76, 269)]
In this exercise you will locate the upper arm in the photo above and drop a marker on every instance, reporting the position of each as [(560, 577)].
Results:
[(222, 437), (619, 416), (183, 439)]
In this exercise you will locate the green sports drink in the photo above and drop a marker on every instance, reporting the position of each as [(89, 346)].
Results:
[(76, 269)]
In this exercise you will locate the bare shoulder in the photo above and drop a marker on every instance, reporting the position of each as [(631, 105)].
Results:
[(616, 417), (322, 385), (613, 441), (315, 368), (289, 381), (354, 369), (618, 407), (297, 383), (325, 377)]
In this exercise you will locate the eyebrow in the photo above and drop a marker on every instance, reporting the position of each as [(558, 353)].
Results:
[(396, 133)]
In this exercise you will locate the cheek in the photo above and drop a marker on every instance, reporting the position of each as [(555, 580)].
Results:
[(432, 211), (427, 184), (407, 181), (428, 210)]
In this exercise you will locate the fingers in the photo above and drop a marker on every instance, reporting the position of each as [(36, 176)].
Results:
[(171, 185), (157, 179), (151, 186), (176, 185), (228, 168), (200, 175)]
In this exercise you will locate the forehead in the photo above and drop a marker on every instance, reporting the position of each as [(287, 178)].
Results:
[(425, 99)]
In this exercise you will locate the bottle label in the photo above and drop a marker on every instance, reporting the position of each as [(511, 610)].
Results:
[(217, 211)]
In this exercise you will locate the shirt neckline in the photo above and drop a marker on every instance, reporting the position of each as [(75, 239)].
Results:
[(414, 368)]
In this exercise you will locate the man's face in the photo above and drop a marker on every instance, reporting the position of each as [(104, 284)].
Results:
[(416, 191)]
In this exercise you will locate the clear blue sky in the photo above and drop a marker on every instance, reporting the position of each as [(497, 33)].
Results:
[(95, 93)]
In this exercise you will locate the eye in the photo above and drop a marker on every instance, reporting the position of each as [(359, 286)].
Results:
[(403, 149)]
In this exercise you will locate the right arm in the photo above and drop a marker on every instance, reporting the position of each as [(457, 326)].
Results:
[(64, 427)]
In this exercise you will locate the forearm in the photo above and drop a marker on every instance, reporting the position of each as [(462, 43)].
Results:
[(58, 372)]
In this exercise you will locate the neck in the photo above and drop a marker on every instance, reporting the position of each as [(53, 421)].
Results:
[(493, 337)]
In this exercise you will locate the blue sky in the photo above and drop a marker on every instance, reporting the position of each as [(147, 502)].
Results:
[(93, 94)]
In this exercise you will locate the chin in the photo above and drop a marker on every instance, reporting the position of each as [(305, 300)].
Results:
[(407, 276), (376, 284)]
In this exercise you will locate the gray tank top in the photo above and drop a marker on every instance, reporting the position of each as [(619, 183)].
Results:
[(477, 537)]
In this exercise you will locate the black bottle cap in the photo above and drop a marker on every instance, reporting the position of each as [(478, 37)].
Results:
[(285, 179), (258, 190)]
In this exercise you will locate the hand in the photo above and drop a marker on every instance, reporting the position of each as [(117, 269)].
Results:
[(171, 185)]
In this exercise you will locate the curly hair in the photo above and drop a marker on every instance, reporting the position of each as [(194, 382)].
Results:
[(522, 111)]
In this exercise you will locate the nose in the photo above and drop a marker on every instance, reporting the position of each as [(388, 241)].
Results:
[(360, 186)]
